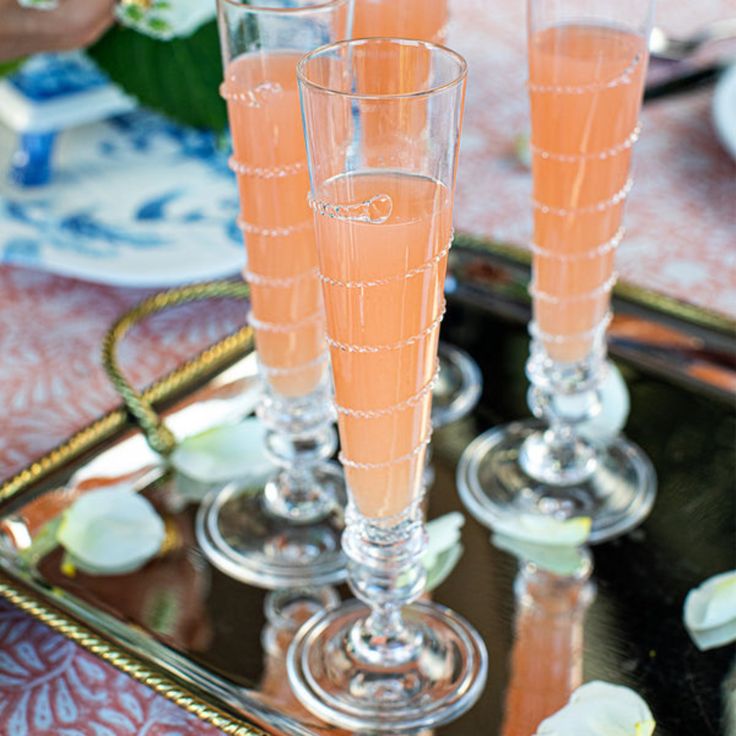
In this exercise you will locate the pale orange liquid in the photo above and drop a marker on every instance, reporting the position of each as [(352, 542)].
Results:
[(601, 73), (265, 122), (391, 314), (422, 19)]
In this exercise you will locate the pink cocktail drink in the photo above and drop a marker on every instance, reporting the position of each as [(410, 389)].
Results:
[(269, 159), (585, 86), (384, 304), (383, 212), (287, 532)]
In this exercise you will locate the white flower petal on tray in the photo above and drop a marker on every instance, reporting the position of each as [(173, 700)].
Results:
[(111, 531), (601, 709), (546, 530), (614, 411), (562, 560), (443, 548), (710, 611), (223, 453)]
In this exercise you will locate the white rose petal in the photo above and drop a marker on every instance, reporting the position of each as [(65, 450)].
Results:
[(227, 452), (710, 611), (546, 530), (443, 549), (111, 531), (614, 410), (601, 709), (611, 419)]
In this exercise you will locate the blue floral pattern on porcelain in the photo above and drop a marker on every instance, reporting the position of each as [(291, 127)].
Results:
[(136, 200)]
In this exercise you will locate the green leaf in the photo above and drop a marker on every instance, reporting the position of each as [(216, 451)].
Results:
[(179, 78), (8, 67)]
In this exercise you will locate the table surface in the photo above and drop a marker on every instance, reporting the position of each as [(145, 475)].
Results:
[(51, 382)]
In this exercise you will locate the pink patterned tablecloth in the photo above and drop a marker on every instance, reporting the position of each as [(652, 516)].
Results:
[(680, 240), (52, 384)]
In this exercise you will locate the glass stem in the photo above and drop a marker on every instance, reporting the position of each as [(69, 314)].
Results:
[(386, 573), (300, 438), (564, 395)]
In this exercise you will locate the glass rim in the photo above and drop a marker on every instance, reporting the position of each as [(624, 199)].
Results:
[(457, 79), (319, 5)]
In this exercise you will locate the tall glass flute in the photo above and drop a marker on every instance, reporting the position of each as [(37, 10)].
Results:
[(587, 62), (288, 534), (382, 119)]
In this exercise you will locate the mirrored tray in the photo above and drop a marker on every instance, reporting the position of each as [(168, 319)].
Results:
[(203, 639)]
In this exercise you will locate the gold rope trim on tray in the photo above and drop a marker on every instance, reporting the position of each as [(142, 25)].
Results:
[(157, 433), (128, 664), (221, 353)]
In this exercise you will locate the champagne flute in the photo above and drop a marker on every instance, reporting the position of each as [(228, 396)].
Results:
[(288, 533), (587, 63), (382, 119)]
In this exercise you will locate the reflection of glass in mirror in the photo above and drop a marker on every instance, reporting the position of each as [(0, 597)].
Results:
[(547, 657), (286, 610)]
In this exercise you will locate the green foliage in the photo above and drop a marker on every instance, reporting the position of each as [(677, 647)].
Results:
[(8, 67), (180, 78)]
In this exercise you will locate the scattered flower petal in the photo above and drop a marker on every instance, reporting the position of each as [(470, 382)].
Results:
[(110, 531), (223, 453), (710, 611), (601, 709), (614, 412), (546, 530), (444, 548)]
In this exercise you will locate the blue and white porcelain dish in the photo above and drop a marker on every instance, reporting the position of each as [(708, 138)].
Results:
[(134, 201)]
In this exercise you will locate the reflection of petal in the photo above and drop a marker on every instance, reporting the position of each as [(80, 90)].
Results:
[(710, 611), (558, 559), (602, 709), (545, 530)]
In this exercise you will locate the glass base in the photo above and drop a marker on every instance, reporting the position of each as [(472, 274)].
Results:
[(243, 539), (618, 494), (439, 684), (458, 387)]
